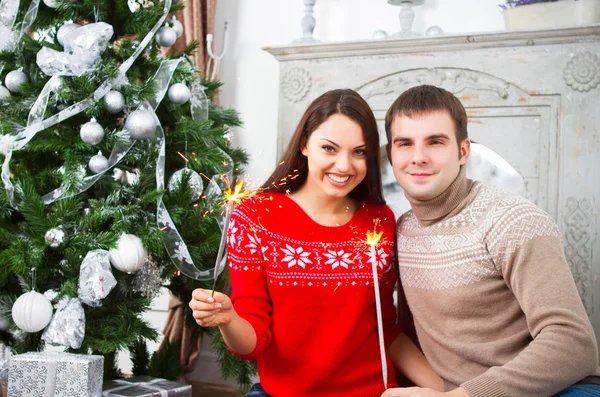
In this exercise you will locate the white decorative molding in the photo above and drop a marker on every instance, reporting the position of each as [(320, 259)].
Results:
[(582, 73), (295, 84), (578, 245), (437, 43)]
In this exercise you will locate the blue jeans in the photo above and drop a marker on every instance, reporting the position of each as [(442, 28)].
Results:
[(257, 391), (580, 391)]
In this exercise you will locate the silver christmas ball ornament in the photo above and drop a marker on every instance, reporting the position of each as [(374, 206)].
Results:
[(91, 132), (179, 93), (98, 163), (166, 36), (141, 124), (177, 26), (114, 101), (55, 237), (14, 80), (434, 31), (4, 93), (379, 35), (64, 31), (194, 181), (51, 3)]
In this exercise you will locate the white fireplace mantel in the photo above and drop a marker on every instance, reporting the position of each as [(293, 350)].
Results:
[(532, 96)]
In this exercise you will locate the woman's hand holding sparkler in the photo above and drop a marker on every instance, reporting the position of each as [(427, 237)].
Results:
[(217, 311)]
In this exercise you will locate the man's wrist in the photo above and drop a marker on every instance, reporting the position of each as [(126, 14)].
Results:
[(459, 392)]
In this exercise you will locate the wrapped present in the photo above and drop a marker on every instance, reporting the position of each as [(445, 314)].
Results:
[(145, 386), (55, 375)]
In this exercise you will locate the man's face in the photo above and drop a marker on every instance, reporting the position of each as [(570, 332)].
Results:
[(424, 153)]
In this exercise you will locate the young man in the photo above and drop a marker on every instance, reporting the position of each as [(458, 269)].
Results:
[(495, 306)]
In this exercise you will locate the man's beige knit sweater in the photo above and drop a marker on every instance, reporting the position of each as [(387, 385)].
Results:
[(495, 306)]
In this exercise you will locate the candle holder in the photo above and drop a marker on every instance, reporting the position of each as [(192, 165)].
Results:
[(407, 16), (308, 23)]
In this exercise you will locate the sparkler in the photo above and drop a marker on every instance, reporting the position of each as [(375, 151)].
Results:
[(232, 197), (372, 240)]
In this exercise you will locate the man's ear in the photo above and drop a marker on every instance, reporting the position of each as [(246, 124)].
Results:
[(465, 151), (388, 152)]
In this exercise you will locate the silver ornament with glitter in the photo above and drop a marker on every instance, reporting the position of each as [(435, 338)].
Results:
[(166, 36), (141, 124), (114, 101), (179, 93), (147, 280), (177, 26), (194, 180), (64, 31), (4, 93), (51, 3), (14, 80), (55, 237), (91, 132), (98, 163)]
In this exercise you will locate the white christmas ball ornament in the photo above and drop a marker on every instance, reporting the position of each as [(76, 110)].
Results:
[(4, 93), (179, 93), (51, 3), (379, 35), (98, 163), (177, 26), (91, 132), (55, 237), (114, 101), (64, 31), (130, 254), (14, 80), (32, 312), (141, 124), (166, 36), (434, 31)]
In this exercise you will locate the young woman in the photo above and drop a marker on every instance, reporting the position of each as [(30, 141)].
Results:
[(303, 301)]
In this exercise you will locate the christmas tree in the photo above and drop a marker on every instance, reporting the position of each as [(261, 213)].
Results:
[(114, 164)]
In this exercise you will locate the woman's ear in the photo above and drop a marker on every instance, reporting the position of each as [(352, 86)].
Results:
[(303, 147)]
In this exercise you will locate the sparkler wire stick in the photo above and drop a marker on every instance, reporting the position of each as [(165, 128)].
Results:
[(372, 240), (222, 244)]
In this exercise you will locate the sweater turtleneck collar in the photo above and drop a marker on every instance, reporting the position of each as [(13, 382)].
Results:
[(446, 204)]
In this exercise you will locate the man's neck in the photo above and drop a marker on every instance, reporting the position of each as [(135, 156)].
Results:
[(446, 204)]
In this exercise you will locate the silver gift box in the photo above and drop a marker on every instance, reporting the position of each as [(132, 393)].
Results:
[(145, 386), (55, 375)]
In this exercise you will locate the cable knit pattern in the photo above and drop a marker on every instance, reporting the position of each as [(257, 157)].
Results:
[(307, 290), (495, 305)]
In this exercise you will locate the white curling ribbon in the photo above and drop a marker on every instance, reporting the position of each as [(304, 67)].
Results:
[(83, 48), (24, 136), (373, 261), (172, 240)]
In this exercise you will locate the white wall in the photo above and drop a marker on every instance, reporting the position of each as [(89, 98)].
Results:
[(251, 75)]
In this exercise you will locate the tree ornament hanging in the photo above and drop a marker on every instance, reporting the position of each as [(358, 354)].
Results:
[(130, 254), (64, 31), (176, 26), (166, 36), (32, 312), (141, 124), (14, 80), (114, 102), (98, 163), (51, 3), (4, 93), (179, 93), (91, 132), (194, 180), (55, 237)]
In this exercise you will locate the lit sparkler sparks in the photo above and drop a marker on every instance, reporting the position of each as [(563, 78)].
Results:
[(232, 197), (373, 238)]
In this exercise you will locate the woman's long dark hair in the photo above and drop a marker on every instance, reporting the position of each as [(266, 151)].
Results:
[(292, 171)]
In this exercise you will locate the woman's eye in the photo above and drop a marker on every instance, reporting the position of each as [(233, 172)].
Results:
[(361, 152), (328, 148)]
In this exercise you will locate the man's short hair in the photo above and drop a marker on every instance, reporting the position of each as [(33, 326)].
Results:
[(423, 99)]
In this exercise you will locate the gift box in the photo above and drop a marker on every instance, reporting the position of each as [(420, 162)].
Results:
[(145, 386), (55, 375)]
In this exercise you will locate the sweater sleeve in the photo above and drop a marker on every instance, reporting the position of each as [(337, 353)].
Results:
[(525, 246), (250, 295)]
